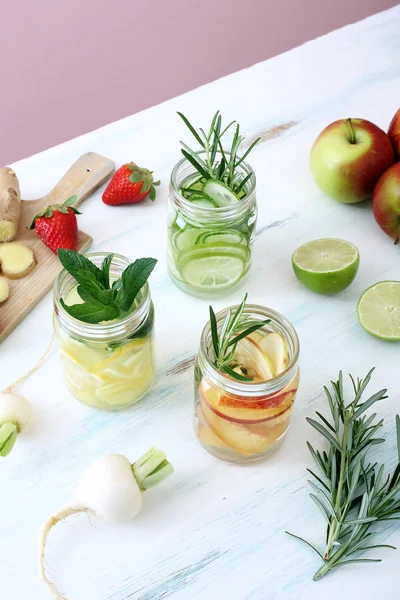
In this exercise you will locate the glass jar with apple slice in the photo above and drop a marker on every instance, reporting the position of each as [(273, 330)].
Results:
[(243, 406), (108, 364)]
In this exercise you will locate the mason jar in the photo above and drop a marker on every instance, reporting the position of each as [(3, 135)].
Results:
[(209, 247), (108, 365), (239, 421)]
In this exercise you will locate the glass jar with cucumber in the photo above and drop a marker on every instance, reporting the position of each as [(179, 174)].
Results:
[(103, 321), (246, 381), (212, 213)]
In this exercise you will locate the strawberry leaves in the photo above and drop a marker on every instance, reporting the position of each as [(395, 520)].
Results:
[(103, 301), (146, 178), (48, 212)]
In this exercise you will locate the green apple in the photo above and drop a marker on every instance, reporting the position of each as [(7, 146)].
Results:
[(348, 157), (394, 134), (386, 202)]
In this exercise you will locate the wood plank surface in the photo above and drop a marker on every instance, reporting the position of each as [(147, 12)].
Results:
[(85, 176)]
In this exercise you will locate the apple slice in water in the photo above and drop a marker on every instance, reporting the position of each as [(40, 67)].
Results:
[(274, 345), (256, 336), (250, 356)]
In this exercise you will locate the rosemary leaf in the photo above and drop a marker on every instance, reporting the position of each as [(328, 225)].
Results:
[(196, 165), (192, 129)]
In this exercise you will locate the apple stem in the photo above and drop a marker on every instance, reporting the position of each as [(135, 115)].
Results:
[(352, 133)]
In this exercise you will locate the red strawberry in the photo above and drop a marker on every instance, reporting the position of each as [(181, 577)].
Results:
[(130, 184), (57, 226)]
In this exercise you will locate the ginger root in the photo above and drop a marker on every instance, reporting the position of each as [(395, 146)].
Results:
[(10, 204), (16, 260), (4, 289)]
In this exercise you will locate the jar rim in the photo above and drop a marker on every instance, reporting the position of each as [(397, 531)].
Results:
[(249, 389), (111, 331), (216, 213)]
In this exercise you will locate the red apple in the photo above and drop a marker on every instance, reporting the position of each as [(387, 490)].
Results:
[(386, 202), (348, 157), (394, 134)]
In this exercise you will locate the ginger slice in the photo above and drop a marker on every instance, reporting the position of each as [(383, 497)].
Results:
[(4, 289), (17, 260), (10, 204)]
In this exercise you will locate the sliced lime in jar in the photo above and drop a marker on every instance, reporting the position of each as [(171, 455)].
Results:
[(207, 270)]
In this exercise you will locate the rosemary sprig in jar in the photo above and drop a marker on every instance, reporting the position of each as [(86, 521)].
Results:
[(234, 328), (212, 161)]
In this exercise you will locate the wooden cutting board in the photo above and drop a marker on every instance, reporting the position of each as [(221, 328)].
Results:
[(85, 176)]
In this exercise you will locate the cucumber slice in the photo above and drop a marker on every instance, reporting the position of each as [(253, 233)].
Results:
[(229, 237), (191, 185), (186, 239), (207, 270), (218, 191), (203, 201), (178, 223)]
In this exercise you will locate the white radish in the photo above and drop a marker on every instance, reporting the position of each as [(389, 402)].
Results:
[(111, 488), (16, 416)]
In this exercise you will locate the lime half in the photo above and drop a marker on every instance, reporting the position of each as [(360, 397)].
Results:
[(379, 310), (210, 271), (326, 266)]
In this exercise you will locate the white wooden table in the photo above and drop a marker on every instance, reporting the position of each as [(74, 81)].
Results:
[(212, 531)]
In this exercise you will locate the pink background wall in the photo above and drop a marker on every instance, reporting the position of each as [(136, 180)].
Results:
[(70, 66)]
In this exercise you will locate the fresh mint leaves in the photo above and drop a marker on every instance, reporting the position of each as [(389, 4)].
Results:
[(133, 279), (102, 302)]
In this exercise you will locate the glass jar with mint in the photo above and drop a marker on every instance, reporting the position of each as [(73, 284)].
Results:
[(103, 321)]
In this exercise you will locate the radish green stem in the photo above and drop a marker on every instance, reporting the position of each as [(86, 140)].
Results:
[(151, 469), (8, 437)]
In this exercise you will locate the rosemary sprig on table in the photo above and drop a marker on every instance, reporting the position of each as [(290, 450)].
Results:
[(352, 493), (212, 162), (234, 328)]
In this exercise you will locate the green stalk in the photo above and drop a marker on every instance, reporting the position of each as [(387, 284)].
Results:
[(8, 437), (151, 469), (331, 563), (334, 526)]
